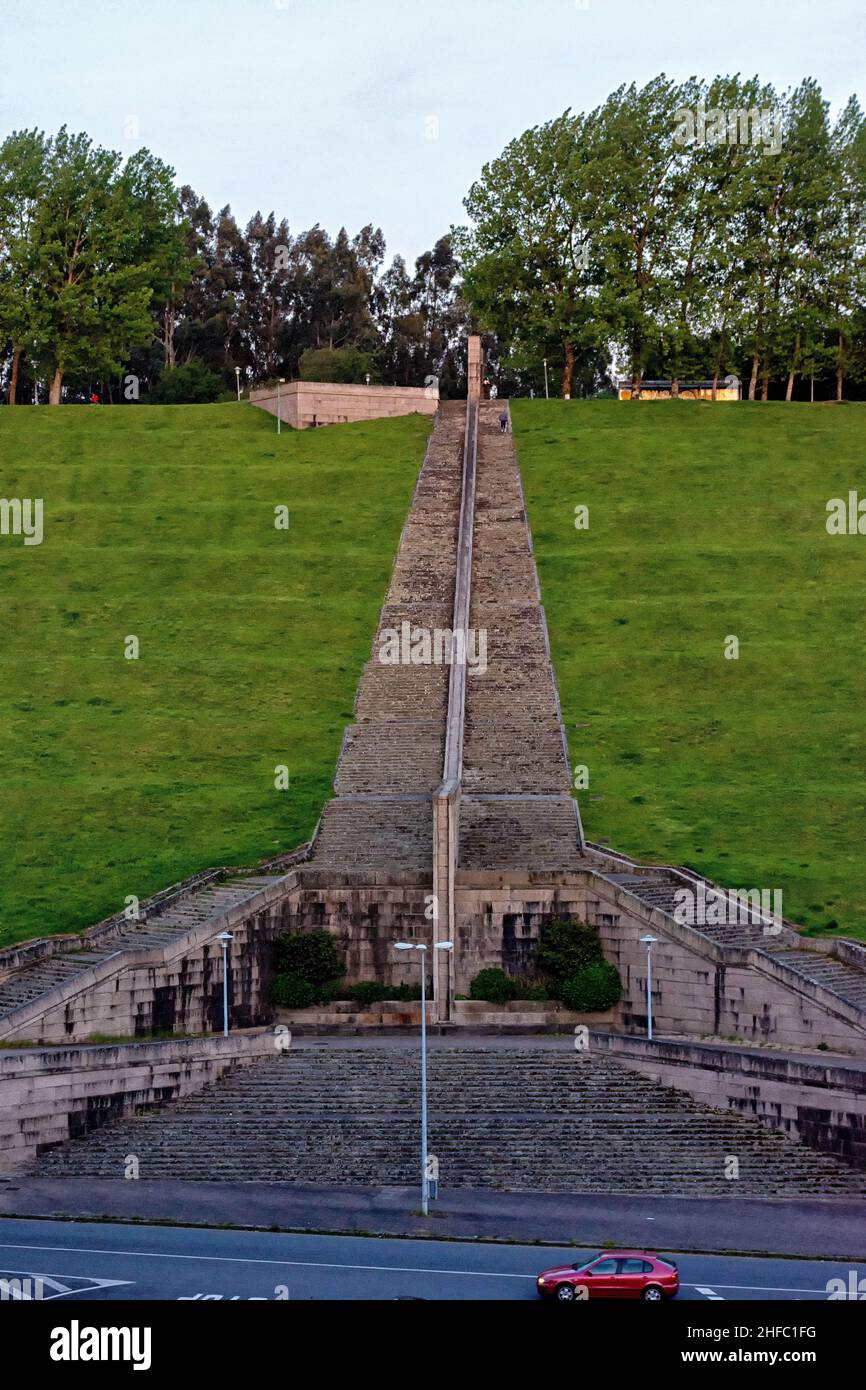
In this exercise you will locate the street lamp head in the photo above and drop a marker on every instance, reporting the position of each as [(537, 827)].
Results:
[(444, 946), (649, 940), (225, 937), (408, 946)]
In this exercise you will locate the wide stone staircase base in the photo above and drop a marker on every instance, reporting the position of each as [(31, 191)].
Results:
[(519, 1119)]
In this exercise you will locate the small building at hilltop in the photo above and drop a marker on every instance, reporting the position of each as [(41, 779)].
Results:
[(308, 404), (727, 390)]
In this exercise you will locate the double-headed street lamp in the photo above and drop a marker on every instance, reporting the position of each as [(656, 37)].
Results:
[(420, 946), (649, 942)]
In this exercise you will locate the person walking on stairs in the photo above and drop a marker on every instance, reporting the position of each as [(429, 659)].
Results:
[(503, 422)]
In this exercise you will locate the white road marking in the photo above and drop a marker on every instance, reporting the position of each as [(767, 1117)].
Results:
[(385, 1269), (246, 1260), (84, 1284), (710, 1294)]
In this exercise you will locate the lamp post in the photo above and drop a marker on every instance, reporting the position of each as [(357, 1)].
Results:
[(281, 381), (546, 387), (649, 942), (224, 938), (238, 381), (419, 946)]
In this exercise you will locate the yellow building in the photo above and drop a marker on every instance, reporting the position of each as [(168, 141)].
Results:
[(727, 390)]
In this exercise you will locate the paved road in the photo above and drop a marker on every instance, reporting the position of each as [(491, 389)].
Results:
[(80, 1261)]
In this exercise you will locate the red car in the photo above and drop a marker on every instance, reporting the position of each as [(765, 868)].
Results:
[(615, 1274)]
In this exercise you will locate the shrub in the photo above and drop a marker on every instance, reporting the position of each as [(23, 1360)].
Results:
[(537, 994), (405, 992), (597, 987), (311, 955), (369, 992), (191, 384), (291, 992), (566, 948), (494, 986), (336, 364), (372, 992)]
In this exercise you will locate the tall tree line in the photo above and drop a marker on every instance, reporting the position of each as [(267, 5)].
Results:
[(678, 230), (109, 274)]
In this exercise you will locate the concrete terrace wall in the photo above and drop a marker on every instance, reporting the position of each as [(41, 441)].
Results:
[(366, 913), (176, 989), (306, 404), (48, 1097), (699, 988), (821, 1103)]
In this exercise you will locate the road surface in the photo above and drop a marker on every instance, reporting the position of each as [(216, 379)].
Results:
[(93, 1262)]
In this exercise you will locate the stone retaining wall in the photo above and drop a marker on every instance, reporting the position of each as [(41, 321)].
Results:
[(821, 1103), (698, 987), (177, 988), (306, 404), (50, 1096)]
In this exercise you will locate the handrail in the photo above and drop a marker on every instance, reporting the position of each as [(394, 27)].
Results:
[(452, 770)]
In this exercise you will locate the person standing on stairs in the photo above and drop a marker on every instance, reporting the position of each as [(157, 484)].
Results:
[(503, 422)]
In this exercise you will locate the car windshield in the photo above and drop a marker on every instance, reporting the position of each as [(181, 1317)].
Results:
[(586, 1264)]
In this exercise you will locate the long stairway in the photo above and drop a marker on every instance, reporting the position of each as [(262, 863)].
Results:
[(520, 1119), (391, 760), (516, 810)]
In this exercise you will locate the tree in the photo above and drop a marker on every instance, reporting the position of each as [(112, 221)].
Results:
[(102, 241), (529, 256), (22, 159)]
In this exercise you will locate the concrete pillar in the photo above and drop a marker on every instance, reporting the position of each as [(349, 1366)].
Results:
[(475, 369), (446, 810)]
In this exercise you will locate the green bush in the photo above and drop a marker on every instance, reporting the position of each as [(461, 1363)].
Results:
[(191, 384), (372, 992), (369, 992), (291, 992), (494, 986), (337, 364), (536, 994), (597, 987), (566, 948), (311, 955)]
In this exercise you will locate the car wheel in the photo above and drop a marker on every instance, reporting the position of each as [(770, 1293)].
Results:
[(565, 1293), (652, 1294)]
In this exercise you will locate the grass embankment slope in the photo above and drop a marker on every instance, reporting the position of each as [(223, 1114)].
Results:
[(121, 776), (708, 521)]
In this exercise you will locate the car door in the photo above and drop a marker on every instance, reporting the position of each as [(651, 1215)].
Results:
[(602, 1283), (632, 1277)]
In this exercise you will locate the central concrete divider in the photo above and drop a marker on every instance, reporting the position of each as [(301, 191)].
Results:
[(446, 799)]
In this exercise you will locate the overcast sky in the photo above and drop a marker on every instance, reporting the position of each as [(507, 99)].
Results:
[(352, 111)]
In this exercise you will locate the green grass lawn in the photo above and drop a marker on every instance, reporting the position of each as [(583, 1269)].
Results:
[(120, 777), (707, 521)]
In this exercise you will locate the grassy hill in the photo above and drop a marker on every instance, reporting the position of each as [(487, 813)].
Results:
[(118, 776), (708, 521)]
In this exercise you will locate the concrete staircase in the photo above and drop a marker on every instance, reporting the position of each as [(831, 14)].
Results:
[(658, 888), (391, 760), (511, 1118), (158, 928), (516, 810)]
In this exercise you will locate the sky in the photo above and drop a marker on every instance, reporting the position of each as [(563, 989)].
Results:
[(345, 112)]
